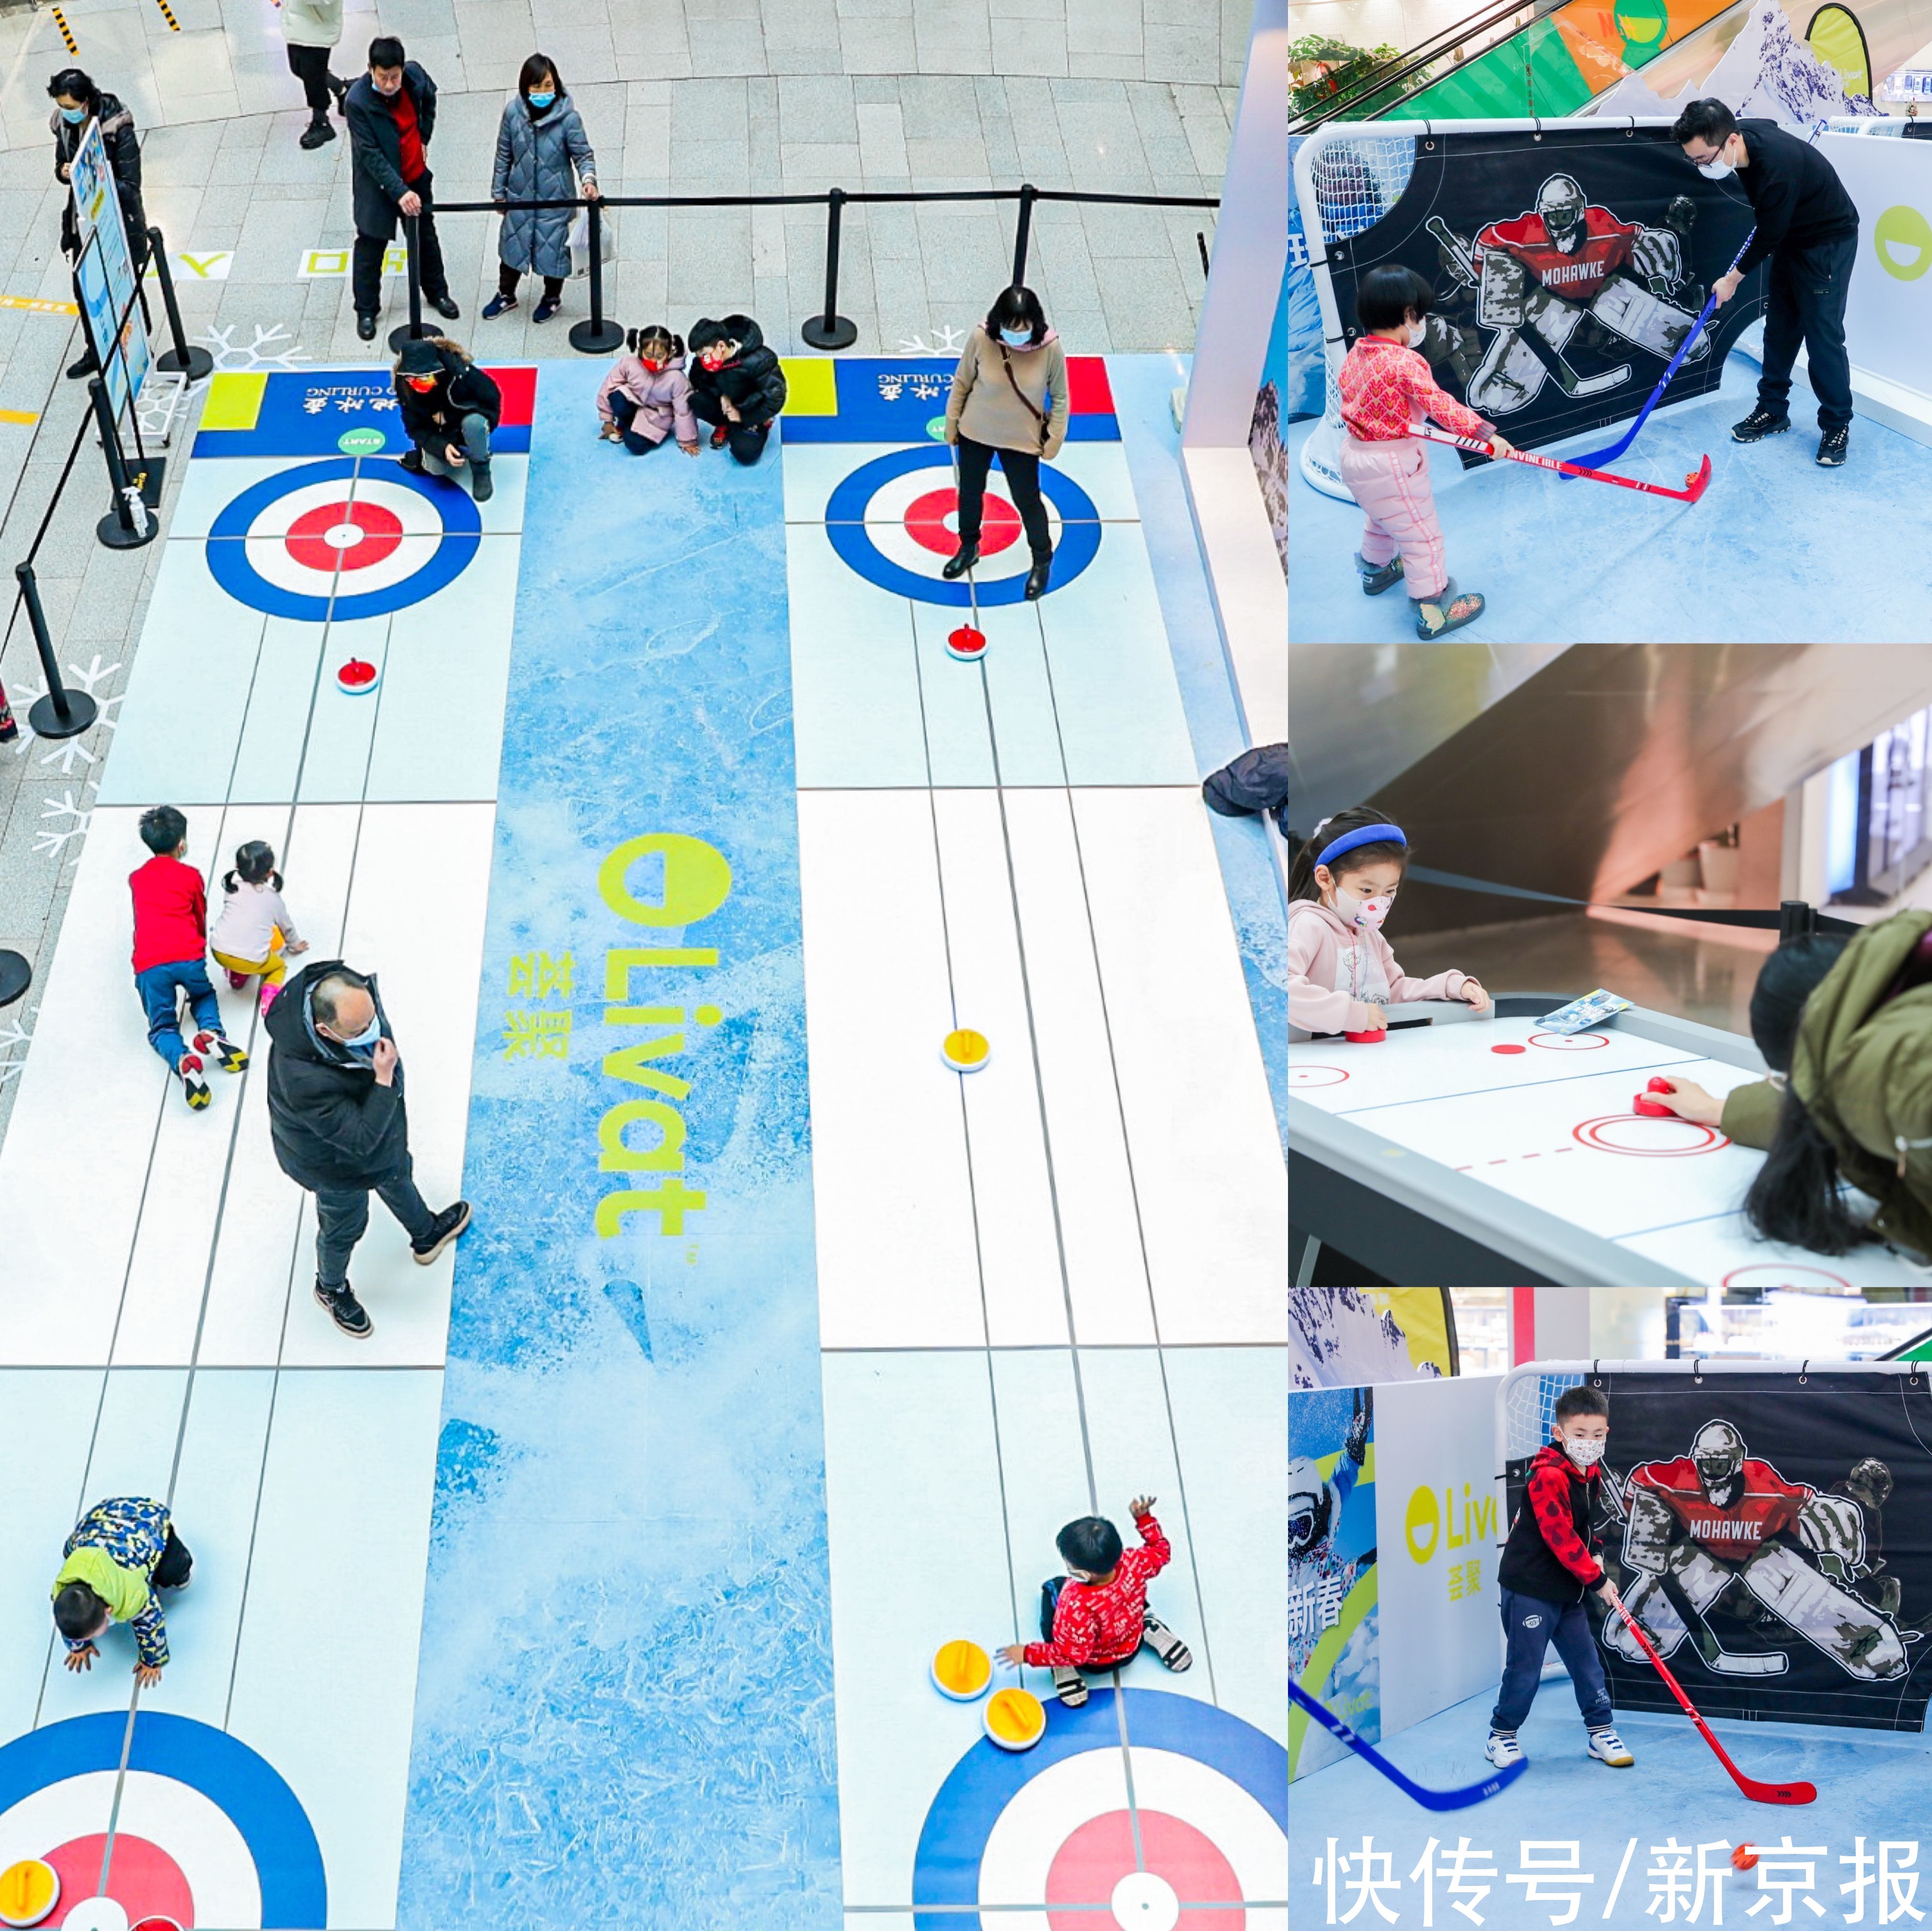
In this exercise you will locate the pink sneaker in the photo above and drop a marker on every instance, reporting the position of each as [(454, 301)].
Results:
[(269, 991)]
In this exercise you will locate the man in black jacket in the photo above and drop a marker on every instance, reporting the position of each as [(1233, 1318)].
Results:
[(1807, 228), (737, 384), (77, 101), (448, 407), (391, 113), (336, 1114)]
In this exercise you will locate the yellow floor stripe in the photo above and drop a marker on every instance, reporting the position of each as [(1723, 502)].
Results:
[(19, 415), (36, 305)]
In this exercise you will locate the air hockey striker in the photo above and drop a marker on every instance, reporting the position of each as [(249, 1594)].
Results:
[(1470, 1149)]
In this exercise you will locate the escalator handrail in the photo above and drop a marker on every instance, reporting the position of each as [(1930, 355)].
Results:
[(1393, 72)]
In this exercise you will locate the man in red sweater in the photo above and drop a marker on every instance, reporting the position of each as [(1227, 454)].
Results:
[(170, 948), (1096, 1616)]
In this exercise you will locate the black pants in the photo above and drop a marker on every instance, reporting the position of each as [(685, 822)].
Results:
[(746, 440), (1804, 301), (310, 65), (175, 1565), (623, 412), (366, 268), (1022, 470), (341, 1219), (508, 278)]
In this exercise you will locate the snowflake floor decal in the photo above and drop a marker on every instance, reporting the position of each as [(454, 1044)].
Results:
[(273, 347)]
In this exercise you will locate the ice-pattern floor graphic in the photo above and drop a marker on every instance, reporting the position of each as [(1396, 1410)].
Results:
[(778, 1352)]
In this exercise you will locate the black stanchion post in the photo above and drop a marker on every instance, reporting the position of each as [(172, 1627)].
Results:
[(1796, 920), (181, 360), (1023, 231), (413, 330), (129, 523), (831, 330), (61, 713), (596, 337), (15, 975)]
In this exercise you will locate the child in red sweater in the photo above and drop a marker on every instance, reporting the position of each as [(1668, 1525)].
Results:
[(170, 938), (1388, 392), (1096, 1616)]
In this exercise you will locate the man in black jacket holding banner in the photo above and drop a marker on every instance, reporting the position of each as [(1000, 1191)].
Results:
[(1807, 228)]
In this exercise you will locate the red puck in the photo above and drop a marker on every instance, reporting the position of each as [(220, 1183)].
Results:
[(1374, 1038), (1744, 1857), (1509, 1049), (966, 644), (358, 678)]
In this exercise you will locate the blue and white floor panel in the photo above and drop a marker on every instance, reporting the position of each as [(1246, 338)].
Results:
[(600, 1585)]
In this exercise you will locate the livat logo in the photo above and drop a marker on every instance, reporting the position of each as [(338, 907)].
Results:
[(1902, 239), (1424, 1522)]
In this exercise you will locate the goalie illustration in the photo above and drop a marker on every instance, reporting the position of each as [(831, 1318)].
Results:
[(1717, 1520), (1566, 272)]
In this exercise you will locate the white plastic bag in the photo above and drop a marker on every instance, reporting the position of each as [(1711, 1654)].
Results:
[(580, 240)]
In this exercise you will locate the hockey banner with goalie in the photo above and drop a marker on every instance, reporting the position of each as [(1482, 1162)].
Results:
[(1568, 269), (1774, 1536)]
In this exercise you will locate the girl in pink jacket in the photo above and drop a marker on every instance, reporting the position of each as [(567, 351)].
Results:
[(645, 398), (1340, 970)]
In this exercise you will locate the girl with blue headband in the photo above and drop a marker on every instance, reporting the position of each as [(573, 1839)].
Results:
[(1340, 970)]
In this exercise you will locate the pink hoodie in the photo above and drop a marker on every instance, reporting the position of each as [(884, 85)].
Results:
[(663, 399), (1335, 971)]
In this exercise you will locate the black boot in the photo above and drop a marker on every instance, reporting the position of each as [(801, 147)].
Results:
[(316, 133), (961, 560), (1037, 577), (86, 366)]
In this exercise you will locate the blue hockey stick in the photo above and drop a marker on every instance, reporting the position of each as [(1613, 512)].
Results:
[(1431, 1800), (1598, 458)]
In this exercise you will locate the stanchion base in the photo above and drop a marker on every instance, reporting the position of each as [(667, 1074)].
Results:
[(15, 975), (828, 331), (596, 338), (199, 364), (397, 336), (116, 535), (47, 722)]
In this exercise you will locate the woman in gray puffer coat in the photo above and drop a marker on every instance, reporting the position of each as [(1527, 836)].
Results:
[(542, 152)]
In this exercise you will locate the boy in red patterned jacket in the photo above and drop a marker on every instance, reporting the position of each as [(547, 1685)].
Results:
[(1388, 392), (1550, 1560), (1096, 1616)]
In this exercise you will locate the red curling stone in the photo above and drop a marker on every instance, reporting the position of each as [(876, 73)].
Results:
[(966, 644)]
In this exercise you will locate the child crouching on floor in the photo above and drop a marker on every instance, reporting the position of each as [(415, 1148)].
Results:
[(1096, 1616), (121, 1553), (1387, 392)]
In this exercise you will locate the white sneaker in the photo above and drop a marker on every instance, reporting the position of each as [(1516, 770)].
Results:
[(1503, 1749), (1607, 1747)]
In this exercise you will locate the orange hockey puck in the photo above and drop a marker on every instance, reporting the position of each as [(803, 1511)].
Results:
[(1744, 1857)]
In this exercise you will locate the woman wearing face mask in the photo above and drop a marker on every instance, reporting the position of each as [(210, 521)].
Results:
[(449, 407), (737, 385), (77, 101), (541, 153), (1009, 400), (646, 399), (1340, 970), (1387, 392)]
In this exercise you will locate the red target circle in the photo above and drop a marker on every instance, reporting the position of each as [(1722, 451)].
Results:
[(142, 1879), (1093, 1861), (1645, 1137), (1316, 1076), (344, 535), (1568, 1042), (925, 522), (1781, 1274)]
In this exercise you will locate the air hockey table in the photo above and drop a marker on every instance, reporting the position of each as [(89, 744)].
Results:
[(1470, 1149)]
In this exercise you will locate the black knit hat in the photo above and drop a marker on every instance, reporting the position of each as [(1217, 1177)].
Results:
[(420, 356)]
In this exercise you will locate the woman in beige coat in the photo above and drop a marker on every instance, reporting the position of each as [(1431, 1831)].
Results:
[(1009, 399)]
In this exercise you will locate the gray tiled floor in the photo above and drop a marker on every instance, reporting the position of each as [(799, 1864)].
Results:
[(679, 97)]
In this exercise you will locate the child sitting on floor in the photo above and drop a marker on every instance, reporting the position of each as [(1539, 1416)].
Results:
[(1386, 392), (646, 399), (254, 936), (1096, 1616), (122, 1552)]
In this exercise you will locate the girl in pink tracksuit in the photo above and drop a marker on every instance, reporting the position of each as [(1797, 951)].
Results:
[(1386, 391), (1340, 970), (645, 398)]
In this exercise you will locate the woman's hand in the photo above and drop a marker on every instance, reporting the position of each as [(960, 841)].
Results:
[(1689, 1101), (590, 191), (1365, 1017), (689, 448), (1500, 446), (1472, 991)]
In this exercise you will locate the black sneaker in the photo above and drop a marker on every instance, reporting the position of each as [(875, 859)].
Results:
[(411, 458), (346, 1311), (446, 1226), (1760, 424), (365, 327), (316, 133), (1831, 447)]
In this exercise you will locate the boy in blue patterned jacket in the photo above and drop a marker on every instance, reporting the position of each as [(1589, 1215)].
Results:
[(122, 1552)]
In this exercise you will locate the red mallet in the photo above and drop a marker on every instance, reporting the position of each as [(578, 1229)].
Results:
[(1653, 1108), (1374, 1038), (966, 644), (358, 678), (1744, 1857)]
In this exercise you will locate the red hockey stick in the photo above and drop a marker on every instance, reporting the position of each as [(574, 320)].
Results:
[(1694, 486), (1758, 1793)]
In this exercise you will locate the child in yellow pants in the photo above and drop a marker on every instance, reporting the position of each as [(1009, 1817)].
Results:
[(254, 931)]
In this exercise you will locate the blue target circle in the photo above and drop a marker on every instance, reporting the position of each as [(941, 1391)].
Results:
[(945, 1868), (230, 564), (844, 524), (244, 1786)]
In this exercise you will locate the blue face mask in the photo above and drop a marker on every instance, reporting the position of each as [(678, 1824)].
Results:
[(364, 1041), (1016, 338), (543, 100), (74, 116)]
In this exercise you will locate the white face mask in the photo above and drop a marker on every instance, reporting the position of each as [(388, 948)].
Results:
[(1717, 167), (1585, 1454), (1366, 913), (1418, 335)]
